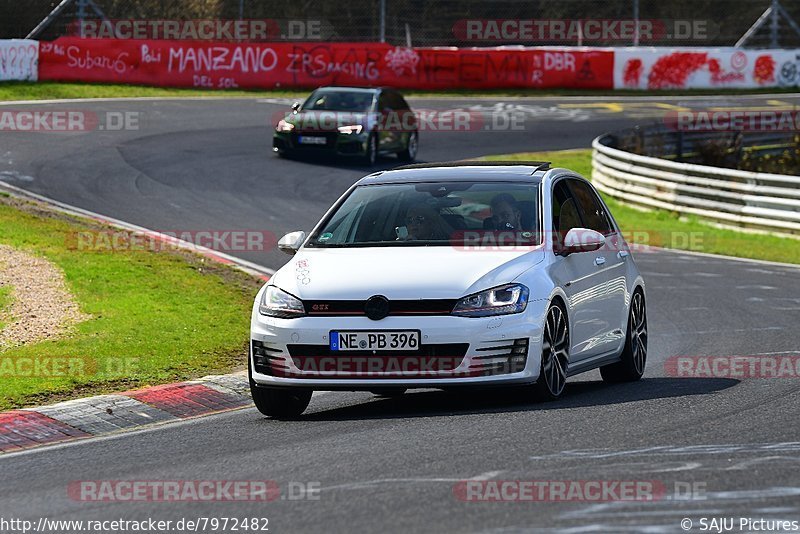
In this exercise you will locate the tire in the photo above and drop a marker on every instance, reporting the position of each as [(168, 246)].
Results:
[(409, 153), (388, 392), (555, 355), (280, 403), (631, 366), (371, 155)]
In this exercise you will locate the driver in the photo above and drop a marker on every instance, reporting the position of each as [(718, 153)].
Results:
[(506, 214), (424, 223)]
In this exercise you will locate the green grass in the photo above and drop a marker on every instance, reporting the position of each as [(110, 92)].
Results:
[(156, 317), (56, 90), (671, 230), (5, 301)]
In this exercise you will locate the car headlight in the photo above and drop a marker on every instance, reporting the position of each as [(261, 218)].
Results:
[(284, 126), (278, 303), (502, 300), (351, 129)]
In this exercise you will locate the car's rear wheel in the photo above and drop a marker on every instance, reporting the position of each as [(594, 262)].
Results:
[(634, 354), (388, 392), (555, 355), (409, 154), (371, 155)]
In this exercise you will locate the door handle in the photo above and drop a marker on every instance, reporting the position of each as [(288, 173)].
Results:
[(600, 261), (622, 254)]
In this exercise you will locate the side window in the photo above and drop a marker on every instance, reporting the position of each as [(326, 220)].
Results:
[(591, 210), (565, 210)]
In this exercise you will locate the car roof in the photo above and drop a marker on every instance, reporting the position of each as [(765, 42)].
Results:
[(353, 89), (462, 171)]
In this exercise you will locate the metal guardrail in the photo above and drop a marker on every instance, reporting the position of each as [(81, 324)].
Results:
[(751, 200)]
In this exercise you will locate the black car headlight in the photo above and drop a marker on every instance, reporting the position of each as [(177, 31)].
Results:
[(278, 303), (502, 300)]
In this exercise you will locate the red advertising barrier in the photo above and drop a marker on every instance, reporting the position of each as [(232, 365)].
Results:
[(268, 65)]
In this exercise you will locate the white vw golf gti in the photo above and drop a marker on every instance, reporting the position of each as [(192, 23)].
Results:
[(450, 275)]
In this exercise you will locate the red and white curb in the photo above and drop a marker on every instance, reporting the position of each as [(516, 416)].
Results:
[(107, 414)]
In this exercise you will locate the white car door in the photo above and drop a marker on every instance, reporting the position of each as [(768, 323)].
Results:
[(584, 278), (606, 304)]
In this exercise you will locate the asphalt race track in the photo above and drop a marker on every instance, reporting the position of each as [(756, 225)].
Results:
[(392, 465)]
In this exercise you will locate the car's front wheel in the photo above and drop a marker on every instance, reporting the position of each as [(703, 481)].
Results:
[(280, 403), (555, 355), (634, 354), (371, 155), (409, 153)]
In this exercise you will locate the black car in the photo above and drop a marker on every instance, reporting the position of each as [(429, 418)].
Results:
[(349, 121)]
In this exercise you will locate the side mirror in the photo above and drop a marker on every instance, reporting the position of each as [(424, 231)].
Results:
[(296, 106), (582, 240), (291, 242)]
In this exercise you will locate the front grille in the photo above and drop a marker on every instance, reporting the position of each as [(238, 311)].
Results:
[(337, 308), (430, 361)]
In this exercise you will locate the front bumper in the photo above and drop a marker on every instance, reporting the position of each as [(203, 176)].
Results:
[(336, 143), (465, 352)]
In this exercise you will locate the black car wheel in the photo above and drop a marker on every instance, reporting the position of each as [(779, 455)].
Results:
[(371, 155), (410, 152), (555, 355), (634, 354), (280, 403)]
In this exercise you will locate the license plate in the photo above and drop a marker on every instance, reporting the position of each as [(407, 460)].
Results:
[(371, 340), (311, 140)]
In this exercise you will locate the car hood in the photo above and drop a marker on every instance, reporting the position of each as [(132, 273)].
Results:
[(400, 272)]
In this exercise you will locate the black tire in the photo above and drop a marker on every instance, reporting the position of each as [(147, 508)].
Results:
[(409, 153), (281, 403), (278, 403), (388, 392), (631, 366), (371, 155), (555, 355)]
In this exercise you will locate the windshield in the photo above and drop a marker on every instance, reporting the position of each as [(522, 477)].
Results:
[(329, 100), (434, 213)]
